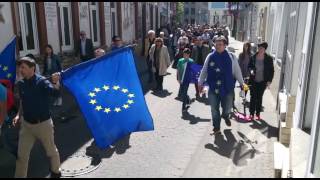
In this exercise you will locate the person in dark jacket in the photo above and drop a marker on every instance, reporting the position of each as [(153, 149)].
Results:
[(85, 48), (52, 62), (261, 74)]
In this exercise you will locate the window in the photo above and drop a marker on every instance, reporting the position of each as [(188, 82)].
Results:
[(28, 41), (193, 21), (186, 10), (66, 40), (193, 11), (114, 23), (95, 29)]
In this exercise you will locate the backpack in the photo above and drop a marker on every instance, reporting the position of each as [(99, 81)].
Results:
[(10, 95)]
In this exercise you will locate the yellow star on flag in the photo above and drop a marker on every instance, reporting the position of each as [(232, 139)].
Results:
[(131, 95), (106, 87), (98, 108), (116, 87), (92, 94), (5, 68), (93, 101), (130, 101), (107, 110), (124, 90), (117, 109), (126, 106), (97, 89), (9, 75)]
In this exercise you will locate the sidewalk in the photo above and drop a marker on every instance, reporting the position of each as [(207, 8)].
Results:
[(242, 150)]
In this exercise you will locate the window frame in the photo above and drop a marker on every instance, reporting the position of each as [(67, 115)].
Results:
[(65, 47), (95, 8), (22, 15)]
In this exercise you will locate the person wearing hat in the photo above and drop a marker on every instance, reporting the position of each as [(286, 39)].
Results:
[(261, 74), (199, 54), (181, 68), (34, 115)]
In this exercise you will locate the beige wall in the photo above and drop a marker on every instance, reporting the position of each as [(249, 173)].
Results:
[(6, 28)]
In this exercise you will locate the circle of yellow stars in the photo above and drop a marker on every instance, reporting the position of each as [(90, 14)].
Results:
[(116, 109), (5, 70)]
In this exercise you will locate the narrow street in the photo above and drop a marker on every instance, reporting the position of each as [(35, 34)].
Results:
[(178, 147)]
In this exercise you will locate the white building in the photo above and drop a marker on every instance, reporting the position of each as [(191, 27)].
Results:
[(294, 35), (219, 12), (59, 23)]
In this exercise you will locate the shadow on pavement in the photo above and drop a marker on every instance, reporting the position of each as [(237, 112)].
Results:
[(238, 151), (71, 132), (266, 129), (193, 119), (120, 147), (162, 94)]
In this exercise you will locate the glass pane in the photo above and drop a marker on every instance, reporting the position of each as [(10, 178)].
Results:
[(95, 28), (113, 24), (19, 37), (29, 27), (112, 4), (60, 35), (93, 3), (66, 26)]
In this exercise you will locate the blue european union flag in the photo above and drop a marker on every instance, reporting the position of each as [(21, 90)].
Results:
[(8, 61), (110, 96), (192, 73)]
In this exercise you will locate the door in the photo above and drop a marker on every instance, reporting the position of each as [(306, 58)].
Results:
[(66, 39), (114, 23), (94, 23), (28, 34)]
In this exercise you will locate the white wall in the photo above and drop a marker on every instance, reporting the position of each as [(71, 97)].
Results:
[(6, 28), (52, 25), (107, 21), (298, 47), (84, 18), (303, 68), (128, 30)]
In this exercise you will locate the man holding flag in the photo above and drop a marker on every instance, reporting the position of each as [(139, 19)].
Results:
[(34, 114), (220, 70)]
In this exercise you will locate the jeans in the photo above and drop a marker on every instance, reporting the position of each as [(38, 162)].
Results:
[(226, 104), (184, 95), (256, 96)]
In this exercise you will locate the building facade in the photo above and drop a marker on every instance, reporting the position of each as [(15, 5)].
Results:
[(219, 13), (196, 13), (294, 35), (59, 23)]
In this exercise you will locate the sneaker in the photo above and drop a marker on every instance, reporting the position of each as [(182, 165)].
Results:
[(216, 131), (258, 117), (55, 175), (251, 117), (228, 122)]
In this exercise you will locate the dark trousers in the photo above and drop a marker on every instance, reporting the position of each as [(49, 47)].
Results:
[(149, 63), (256, 95), (159, 80), (197, 90), (184, 95)]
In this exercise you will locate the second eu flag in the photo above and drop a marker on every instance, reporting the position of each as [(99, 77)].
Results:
[(110, 96)]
